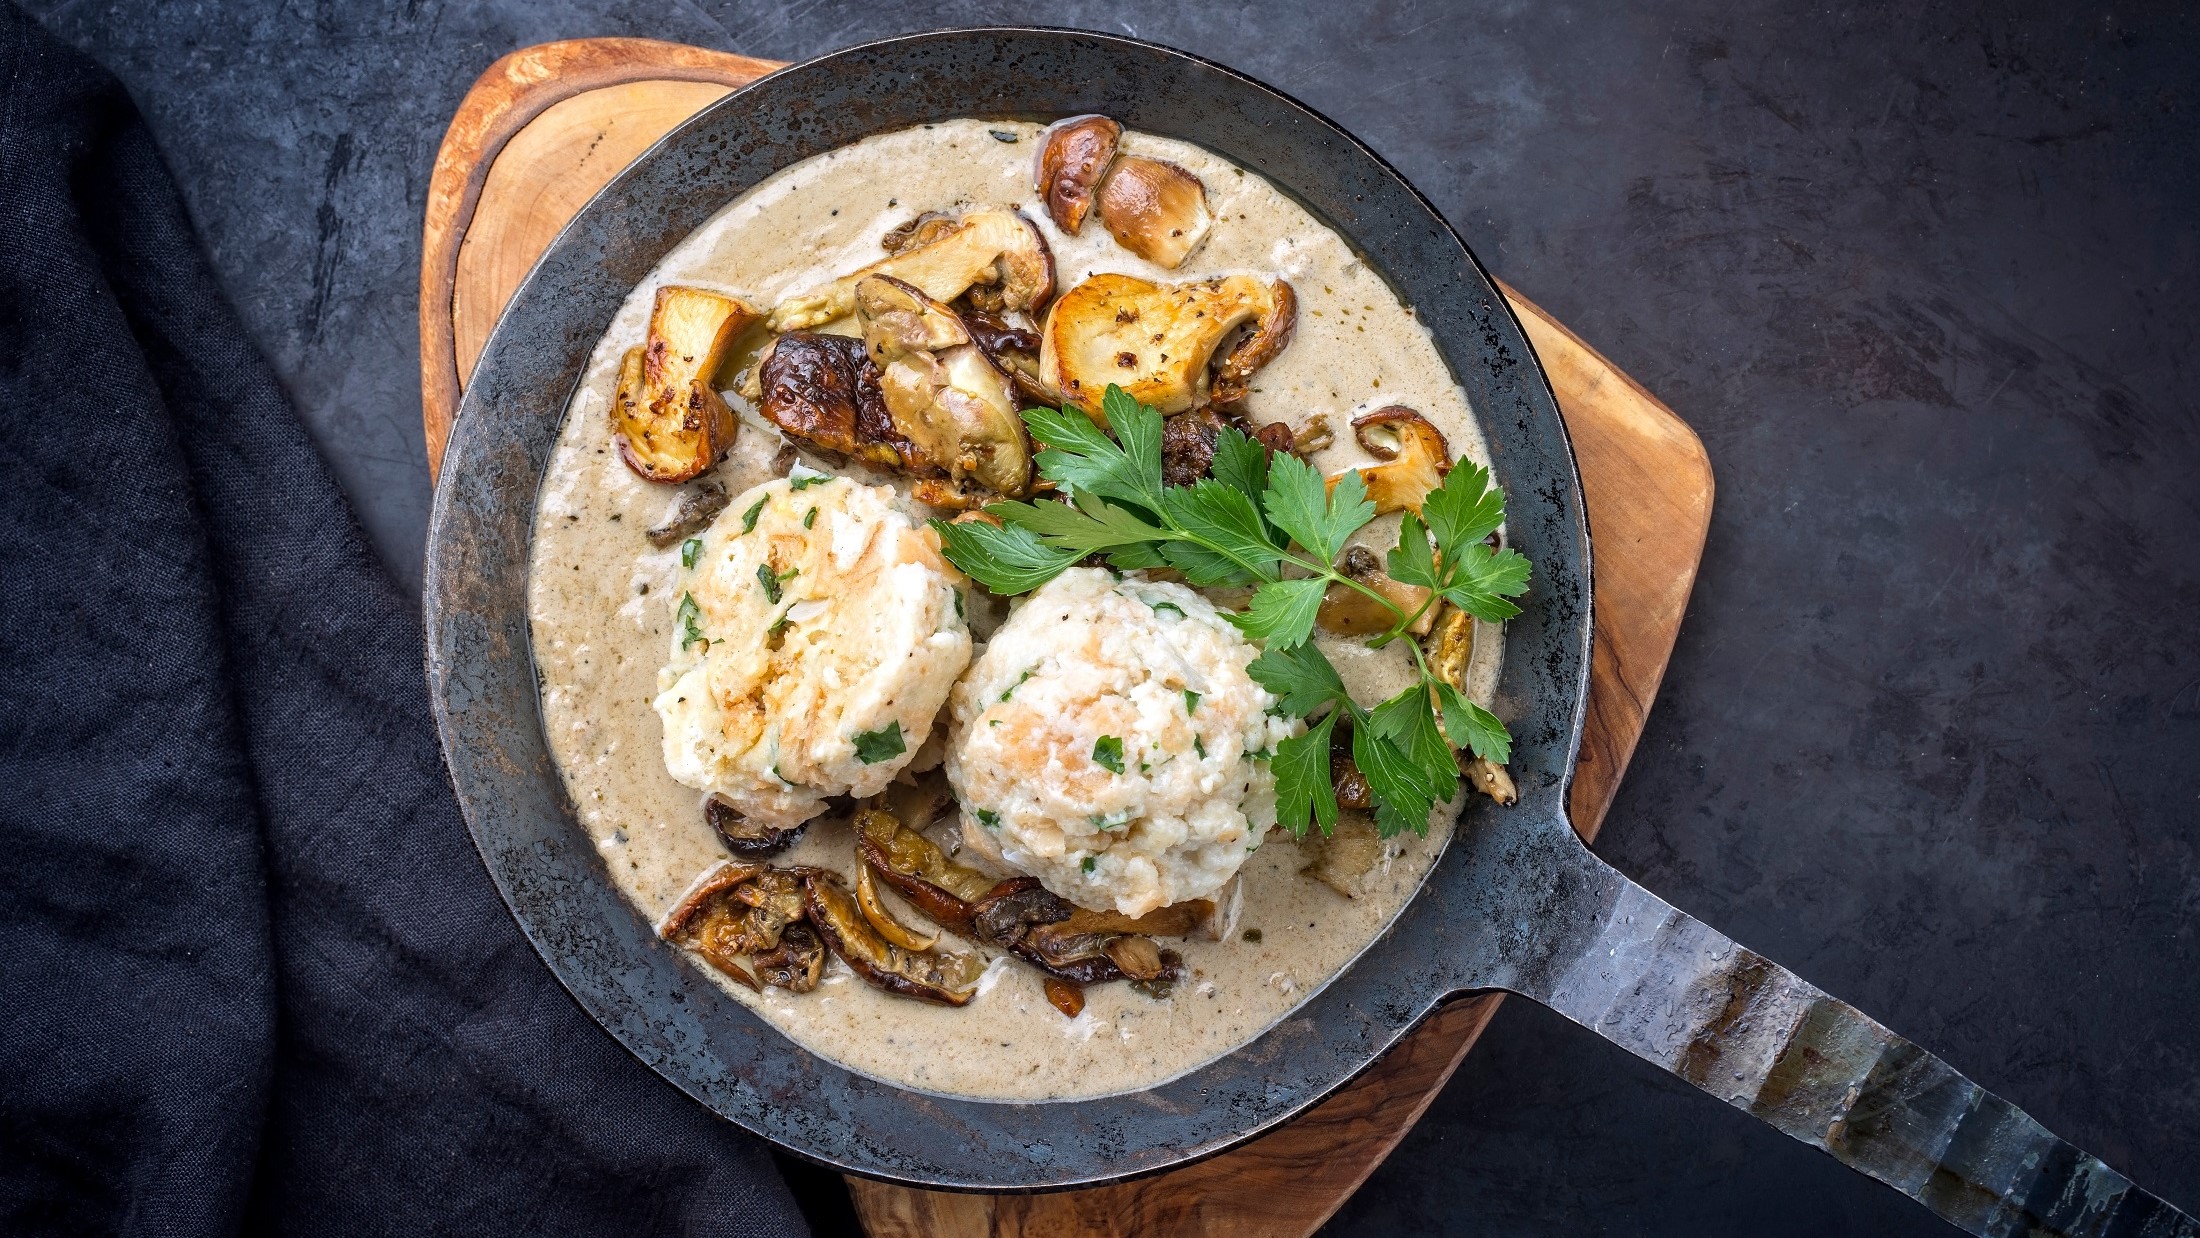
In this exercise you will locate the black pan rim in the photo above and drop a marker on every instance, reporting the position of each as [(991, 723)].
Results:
[(462, 651)]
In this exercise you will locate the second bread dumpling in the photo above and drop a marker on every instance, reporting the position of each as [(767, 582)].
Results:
[(816, 635), (1111, 743)]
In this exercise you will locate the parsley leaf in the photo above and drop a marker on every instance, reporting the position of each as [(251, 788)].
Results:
[(809, 519), (1301, 504), (1003, 558), (1228, 527), (1412, 561), (748, 518), (1191, 703), (883, 744), (1472, 727), (1107, 753), (987, 818), (770, 579), (1300, 678), (1088, 864), (803, 481), (1092, 524), (1240, 463), (687, 617), (1481, 579), (1465, 509), (690, 551), (1282, 612), (1303, 787)]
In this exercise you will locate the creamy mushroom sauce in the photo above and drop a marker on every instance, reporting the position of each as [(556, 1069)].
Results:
[(600, 605)]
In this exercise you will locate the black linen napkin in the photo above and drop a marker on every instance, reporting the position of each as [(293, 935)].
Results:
[(252, 974)]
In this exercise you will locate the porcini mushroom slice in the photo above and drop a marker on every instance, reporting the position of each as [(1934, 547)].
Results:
[(985, 247), (945, 977), (1413, 454), (946, 892), (1233, 379), (823, 390), (666, 416), (797, 964), (1074, 155), (1343, 857), (1349, 612), (1154, 209), (735, 909), (1489, 778), (1153, 340), (875, 910), (744, 836), (1449, 648), (942, 392), (1012, 350)]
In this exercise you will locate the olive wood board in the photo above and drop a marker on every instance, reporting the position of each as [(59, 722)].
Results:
[(545, 127)]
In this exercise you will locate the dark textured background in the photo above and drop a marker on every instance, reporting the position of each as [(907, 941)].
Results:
[(1923, 280)]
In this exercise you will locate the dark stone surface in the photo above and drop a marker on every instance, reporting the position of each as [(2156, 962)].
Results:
[(1925, 283)]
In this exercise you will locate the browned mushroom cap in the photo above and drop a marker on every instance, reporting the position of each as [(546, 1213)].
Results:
[(984, 247), (743, 836), (824, 391), (666, 416), (882, 918), (1349, 612), (943, 393), (919, 871), (940, 976), (1155, 209), (1270, 335), (797, 964), (1155, 340), (1013, 350), (698, 507), (736, 909), (1414, 458), (1073, 155), (1342, 858)]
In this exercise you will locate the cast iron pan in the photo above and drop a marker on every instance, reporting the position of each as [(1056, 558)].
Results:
[(1515, 902)]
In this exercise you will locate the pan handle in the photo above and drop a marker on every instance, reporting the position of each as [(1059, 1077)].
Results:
[(1670, 989)]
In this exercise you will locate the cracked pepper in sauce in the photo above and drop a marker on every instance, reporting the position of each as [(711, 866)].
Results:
[(601, 603)]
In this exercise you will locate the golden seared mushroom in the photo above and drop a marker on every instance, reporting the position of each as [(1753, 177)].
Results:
[(1155, 340), (1073, 155), (941, 976), (1013, 350), (1414, 458), (824, 391), (997, 248), (1344, 857), (1155, 209), (797, 964), (1449, 648), (744, 836), (669, 421), (882, 919), (736, 910), (946, 892), (1349, 612), (944, 394)]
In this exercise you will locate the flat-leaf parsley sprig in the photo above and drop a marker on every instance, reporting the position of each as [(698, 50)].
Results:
[(1276, 527)]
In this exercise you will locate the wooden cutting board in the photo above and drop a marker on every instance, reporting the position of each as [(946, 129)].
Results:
[(546, 127)]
